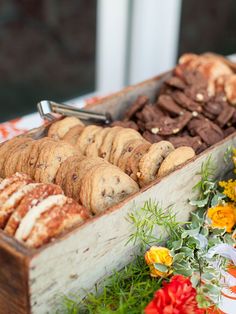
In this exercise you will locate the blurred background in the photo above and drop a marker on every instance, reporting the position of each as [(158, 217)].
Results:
[(60, 49)]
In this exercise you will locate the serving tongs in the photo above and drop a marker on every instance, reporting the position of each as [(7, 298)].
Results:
[(46, 108)]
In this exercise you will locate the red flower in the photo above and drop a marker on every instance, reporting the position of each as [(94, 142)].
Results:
[(176, 297)]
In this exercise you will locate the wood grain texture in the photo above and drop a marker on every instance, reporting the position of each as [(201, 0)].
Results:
[(14, 266), (75, 262)]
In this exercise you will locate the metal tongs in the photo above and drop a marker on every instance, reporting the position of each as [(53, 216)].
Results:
[(46, 108)]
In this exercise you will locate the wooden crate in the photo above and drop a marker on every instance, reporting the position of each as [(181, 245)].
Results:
[(34, 281)]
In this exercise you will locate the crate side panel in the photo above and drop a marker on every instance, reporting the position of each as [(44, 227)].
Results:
[(14, 297)]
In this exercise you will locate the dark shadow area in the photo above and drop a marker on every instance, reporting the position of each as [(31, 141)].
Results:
[(208, 26), (47, 51)]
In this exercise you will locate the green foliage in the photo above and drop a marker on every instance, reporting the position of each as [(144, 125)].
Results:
[(127, 291), (149, 221)]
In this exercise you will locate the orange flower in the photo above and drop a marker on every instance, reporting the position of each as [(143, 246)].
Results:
[(223, 216), (178, 296), (162, 257)]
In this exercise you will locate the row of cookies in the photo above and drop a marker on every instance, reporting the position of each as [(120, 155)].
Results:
[(122, 147), (94, 182), (47, 160), (35, 213), (40, 159)]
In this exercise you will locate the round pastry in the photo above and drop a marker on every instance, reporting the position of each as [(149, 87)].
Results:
[(59, 128), (87, 137), (106, 146), (49, 160), (73, 134), (151, 161), (176, 158), (104, 186), (121, 138)]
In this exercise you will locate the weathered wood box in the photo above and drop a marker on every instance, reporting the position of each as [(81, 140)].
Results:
[(33, 281)]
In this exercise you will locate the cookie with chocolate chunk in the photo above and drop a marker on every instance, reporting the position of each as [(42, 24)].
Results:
[(121, 138), (132, 165), (151, 161), (73, 134), (6, 150), (105, 186), (106, 146), (127, 152), (50, 159), (12, 161), (74, 177), (36, 148), (92, 149), (65, 167), (87, 137), (59, 128)]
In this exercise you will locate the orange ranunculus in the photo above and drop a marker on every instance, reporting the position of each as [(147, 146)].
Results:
[(159, 255), (176, 297), (223, 216)]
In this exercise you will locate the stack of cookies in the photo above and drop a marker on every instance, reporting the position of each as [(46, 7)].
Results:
[(35, 213), (94, 182), (124, 148), (50, 161), (40, 159)]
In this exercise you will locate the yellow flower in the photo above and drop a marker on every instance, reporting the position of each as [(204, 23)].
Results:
[(159, 255), (223, 216), (234, 156), (229, 189)]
